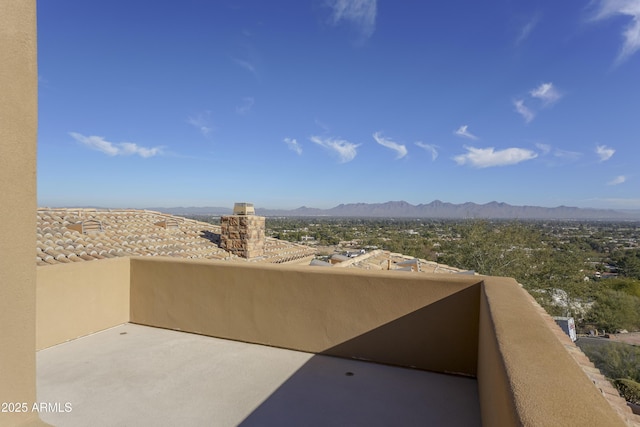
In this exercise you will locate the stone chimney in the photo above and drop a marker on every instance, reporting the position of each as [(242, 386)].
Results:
[(243, 233)]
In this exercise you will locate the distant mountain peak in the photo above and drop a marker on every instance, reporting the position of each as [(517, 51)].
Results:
[(436, 209)]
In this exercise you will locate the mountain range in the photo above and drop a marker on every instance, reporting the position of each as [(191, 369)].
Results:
[(436, 210)]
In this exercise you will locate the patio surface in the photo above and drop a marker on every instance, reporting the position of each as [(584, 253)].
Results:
[(144, 376)]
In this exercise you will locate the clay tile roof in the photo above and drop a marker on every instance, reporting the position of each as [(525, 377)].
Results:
[(130, 232), (126, 232)]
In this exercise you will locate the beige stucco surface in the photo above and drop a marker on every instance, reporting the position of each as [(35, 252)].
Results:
[(525, 375), (78, 299), (371, 316), (472, 325), (18, 127)]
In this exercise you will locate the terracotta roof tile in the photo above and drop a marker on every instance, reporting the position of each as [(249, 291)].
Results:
[(128, 232)]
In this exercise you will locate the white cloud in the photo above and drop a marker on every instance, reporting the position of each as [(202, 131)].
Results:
[(247, 104), (527, 29), (604, 152), (400, 149), (293, 145), (566, 154), (201, 122), (322, 126), (489, 157), (523, 110), (361, 13), (345, 150), (631, 34), (617, 180), (247, 66), (545, 148), (462, 131), (547, 93), (558, 156), (433, 149), (115, 149)]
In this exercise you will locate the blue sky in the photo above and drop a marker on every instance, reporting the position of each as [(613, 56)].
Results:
[(321, 102)]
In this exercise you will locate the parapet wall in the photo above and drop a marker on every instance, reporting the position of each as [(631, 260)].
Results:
[(525, 375), (478, 326), (389, 317), (78, 299)]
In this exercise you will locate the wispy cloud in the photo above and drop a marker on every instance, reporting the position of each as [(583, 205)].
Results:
[(463, 132), (247, 66), (566, 154), (293, 145), (360, 13), (547, 93), (43, 82), (345, 150), (115, 149), (523, 110), (433, 149), (617, 180), (543, 96), (247, 104), (631, 34), (545, 148), (489, 157), (202, 122), (604, 152), (557, 156), (400, 149), (322, 126), (527, 29)]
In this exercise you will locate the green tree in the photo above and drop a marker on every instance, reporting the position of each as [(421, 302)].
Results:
[(489, 249), (614, 310), (628, 263), (613, 359), (622, 284)]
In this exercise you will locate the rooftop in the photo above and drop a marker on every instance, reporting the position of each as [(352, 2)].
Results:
[(138, 375), (61, 237), (67, 235), (264, 344), (458, 326)]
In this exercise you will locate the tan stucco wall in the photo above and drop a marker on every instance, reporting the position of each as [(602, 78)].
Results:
[(18, 127), (389, 317), (78, 299), (525, 375), (464, 324)]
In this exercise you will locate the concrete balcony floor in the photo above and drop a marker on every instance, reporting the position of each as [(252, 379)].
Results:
[(143, 376)]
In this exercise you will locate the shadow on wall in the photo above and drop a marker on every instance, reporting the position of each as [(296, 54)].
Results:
[(337, 391), (429, 338)]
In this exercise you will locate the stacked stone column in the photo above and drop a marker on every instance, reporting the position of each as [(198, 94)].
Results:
[(243, 235)]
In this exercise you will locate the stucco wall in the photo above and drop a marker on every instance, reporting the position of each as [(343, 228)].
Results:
[(484, 326), (525, 375), (18, 127), (389, 317), (78, 299)]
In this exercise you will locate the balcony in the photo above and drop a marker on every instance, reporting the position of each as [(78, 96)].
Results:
[(422, 333), (165, 342), (139, 375)]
